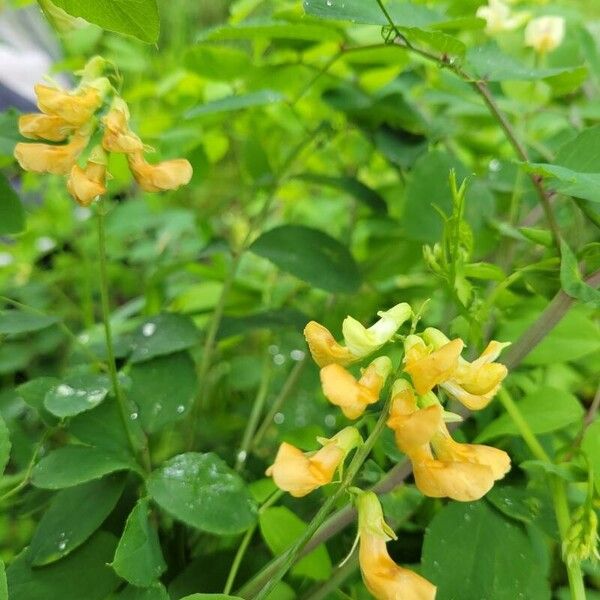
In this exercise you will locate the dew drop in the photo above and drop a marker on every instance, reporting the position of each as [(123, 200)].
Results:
[(279, 359), (297, 355), (242, 454), (273, 349), (330, 420), (329, 3), (133, 416), (65, 390), (62, 545), (148, 329), (278, 418), (180, 408)]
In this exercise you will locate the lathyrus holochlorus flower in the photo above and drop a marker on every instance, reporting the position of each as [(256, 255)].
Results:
[(475, 383), (117, 135), (442, 467), (162, 176), (300, 473), (499, 17), (382, 576), (45, 127), (354, 395), (86, 184), (545, 34), (359, 340), (55, 159)]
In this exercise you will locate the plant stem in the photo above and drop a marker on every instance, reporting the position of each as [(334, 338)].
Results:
[(257, 408), (558, 486), (239, 555), (110, 354), (263, 588), (285, 391)]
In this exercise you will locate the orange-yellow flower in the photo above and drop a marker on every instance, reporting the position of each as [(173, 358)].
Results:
[(413, 426), (300, 473), (359, 340), (74, 107), (351, 395), (87, 184), (117, 135), (474, 384), (45, 127), (382, 576), (166, 175), (323, 347), (44, 158), (429, 367)]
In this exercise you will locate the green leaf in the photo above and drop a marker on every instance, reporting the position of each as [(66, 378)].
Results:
[(272, 30), (238, 102), (591, 447), (163, 389), (76, 394), (268, 319), (569, 182), (218, 62), (350, 186), (310, 255), (138, 18), (65, 526), (15, 322), (138, 558), (154, 592), (3, 584), (12, 215), (33, 393), (359, 11), (202, 491), (9, 132), (545, 410), (575, 336), (517, 503), (572, 282), (164, 334), (280, 528), (71, 465), (85, 569), (210, 597), (471, 552), (4, 446)]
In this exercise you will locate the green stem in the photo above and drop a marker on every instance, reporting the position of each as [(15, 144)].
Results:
[(257, 408), (239, 555), (288, 558), (110, 353), (558, 486)]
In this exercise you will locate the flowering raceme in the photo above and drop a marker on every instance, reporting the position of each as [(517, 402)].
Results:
[(71, 117)]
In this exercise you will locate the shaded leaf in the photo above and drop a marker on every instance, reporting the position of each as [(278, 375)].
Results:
[(14, 322), (12, 215)]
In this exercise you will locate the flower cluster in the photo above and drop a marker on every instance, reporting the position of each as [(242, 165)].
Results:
[(442, 467), (543, 34), (85, 124)]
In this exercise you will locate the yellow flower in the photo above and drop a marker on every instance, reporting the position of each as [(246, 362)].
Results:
[(429, 367), (413, 426), (74, 107), (382, 576), (351, 395), (166, 175), (323, 347), (474, 384), (544, 34), (87, 184), (362, 341), (44, 158), (45, 127), (498, 17), (117, 135), (300, 473)]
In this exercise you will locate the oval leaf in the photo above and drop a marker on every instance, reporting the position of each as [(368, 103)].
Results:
[(310, 255), (202, 491), (77, 394)]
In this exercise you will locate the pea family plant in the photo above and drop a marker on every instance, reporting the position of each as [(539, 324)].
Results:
[(299, 300)]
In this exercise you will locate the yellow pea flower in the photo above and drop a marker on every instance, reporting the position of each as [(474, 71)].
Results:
[(427, 366), (351, 395), (117, 135), (545, 34), (75, 107), (474, 384), (45, 127), (44, 158), (498, 17), (413, 426), (88, 183), (382, 576), (323, 347), (166, 175), (300, 473), (362, 341)]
